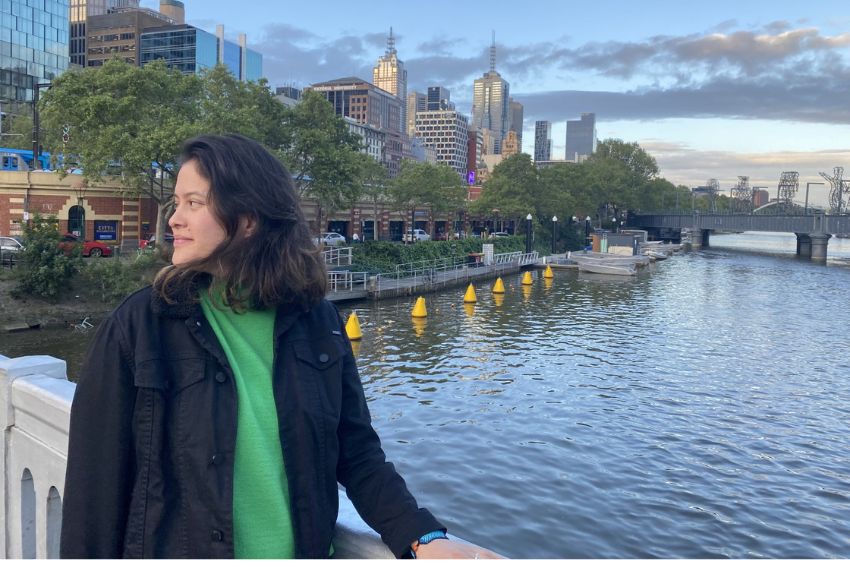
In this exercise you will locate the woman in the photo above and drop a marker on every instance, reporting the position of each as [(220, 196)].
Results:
[(217, 409)]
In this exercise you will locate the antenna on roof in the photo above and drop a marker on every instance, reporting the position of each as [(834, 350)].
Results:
[(493, 54), (391, 43)]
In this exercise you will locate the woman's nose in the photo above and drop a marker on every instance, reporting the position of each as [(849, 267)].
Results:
[(176, 219)]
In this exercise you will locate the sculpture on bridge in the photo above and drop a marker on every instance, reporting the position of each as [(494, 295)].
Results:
[(713, 189), (839, 186), (742, 196), (788, 185)]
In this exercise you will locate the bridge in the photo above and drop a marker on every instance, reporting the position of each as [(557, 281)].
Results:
[(813, 231)]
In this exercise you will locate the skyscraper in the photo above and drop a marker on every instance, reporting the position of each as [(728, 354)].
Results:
[(33, 46), (581, 137), (439, 99), (542, 140), (80, 11), (445, 130), (490, 103), (389, 75), (416, 102), (516, 110)]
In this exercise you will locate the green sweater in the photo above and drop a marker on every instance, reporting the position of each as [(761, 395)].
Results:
[(262, 524)]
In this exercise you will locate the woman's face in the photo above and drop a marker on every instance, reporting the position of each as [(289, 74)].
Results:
[(196, 230)]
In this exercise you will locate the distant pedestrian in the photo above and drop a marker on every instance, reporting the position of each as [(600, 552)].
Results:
[(355, 238)]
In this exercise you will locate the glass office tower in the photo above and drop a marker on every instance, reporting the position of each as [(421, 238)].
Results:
[(33, 45)]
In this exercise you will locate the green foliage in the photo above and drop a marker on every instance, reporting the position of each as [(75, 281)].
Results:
[(46, 270), (619, 176), (114, 280), (423, 185), (17, 127), (376, 256), (322, 154)]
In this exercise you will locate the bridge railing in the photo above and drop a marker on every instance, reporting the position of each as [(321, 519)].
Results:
[(35, 408)]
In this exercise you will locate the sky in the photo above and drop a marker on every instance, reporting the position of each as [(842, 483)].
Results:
[(711, 89)]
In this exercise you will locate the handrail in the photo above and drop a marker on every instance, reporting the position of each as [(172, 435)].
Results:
[(337, 256), (35, 408)]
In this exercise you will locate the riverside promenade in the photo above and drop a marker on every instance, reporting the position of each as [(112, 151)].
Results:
[(425, 277)]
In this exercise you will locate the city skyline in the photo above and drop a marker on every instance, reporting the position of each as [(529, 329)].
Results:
[(716, 90)]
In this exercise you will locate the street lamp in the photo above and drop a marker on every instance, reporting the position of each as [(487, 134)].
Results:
[(587, 231), (554, 233), (528, 234), (614, 223), (806, 209), (496, 224)]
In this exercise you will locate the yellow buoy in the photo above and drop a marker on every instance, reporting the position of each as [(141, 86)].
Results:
[(352, 328), (469, 297), (526, 279), (419, 309), (526, 292), (355, 348), (499, 287), (547, 283), (469, 308), (548, 273)]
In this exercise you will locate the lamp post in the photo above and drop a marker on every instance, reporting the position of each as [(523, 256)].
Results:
[(80, 192), (587, 230), (528, 234), (554, 233), (806, 209), (496, 223), (614, 223)]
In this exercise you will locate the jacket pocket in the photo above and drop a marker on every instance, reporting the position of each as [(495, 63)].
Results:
[(321, 353), (170, 376)]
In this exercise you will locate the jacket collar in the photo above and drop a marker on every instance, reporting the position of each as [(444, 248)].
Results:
[(183, 303)]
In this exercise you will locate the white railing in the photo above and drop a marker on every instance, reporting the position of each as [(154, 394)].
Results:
[(348, 281), (35, 408), (337, 256)]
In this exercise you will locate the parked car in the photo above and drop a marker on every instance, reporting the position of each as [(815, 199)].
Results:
[(332, 239), (9, 248), (417, 235), (90, 249), (149, 240), (499, 234)]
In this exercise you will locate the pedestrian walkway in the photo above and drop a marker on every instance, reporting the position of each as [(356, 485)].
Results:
[(347, 286)]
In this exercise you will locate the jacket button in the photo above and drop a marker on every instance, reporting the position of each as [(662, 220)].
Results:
[(220, 377), (217, 459), (217, 535), (323, 358)]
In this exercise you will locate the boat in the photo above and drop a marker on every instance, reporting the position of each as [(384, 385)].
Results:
[(607, 269), (654, 254), (607, 258)]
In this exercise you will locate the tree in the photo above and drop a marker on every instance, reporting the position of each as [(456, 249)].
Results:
[(47, 268), (618, 174), (322, 154), (437, 187), (374, 176), (514, 189), (17, 127), (125, 121)]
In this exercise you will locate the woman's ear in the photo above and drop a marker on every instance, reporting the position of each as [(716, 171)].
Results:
[(247, 225)]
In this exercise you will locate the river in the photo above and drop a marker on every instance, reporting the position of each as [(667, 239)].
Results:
[(698, 410)]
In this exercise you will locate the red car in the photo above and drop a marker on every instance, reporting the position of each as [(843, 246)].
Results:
[(91, 249), (149, 240)]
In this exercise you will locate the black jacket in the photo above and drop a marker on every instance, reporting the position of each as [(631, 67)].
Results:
[(153, 434)]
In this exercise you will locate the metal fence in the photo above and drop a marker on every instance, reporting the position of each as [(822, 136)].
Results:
[(337, 256)]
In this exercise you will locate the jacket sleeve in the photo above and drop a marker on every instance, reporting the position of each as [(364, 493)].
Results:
[(377, 491), (99, 475)]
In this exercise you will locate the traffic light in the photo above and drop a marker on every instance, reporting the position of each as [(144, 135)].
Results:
[(65, 130)]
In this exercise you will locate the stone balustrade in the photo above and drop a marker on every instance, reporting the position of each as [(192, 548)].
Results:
[(35, 408)]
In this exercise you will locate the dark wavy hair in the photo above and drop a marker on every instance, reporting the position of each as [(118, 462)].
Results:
[(278, 264)]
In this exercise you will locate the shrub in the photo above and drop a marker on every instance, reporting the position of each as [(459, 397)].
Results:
[(115, 280), (46, 269)]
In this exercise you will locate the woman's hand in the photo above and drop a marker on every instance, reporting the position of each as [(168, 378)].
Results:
[(450, 549)]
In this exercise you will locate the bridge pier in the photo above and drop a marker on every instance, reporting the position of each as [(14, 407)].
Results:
[(699, 237), (804, 244), (820, 241)]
